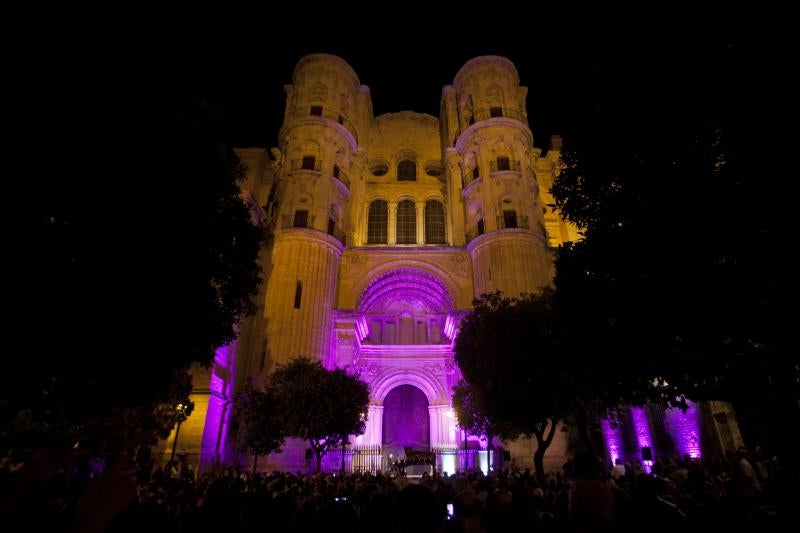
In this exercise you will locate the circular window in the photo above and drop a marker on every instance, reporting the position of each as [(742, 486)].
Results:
[(379, 168), (434, 169)]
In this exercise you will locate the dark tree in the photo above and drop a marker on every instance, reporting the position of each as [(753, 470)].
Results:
[(683, 273), (142, 256), (518, 362), (257, 423), (320, 406), (470, 410)]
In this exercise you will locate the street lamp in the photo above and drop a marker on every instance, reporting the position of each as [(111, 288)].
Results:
[(182, 412)]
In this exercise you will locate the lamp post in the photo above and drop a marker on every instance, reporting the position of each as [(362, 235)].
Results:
[(182, 412)]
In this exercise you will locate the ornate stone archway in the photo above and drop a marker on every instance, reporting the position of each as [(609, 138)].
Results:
[(401, 334)]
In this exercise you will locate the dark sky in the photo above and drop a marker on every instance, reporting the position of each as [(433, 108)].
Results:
[(245, 74), (566, 57), (407, 79), (570, 59)]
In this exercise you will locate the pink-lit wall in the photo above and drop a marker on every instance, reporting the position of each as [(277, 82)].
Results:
[(612, 434), (644, 439), (684, 428), (213, 446)]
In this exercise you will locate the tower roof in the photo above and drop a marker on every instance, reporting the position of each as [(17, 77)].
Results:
[(486, 60), (329, 58)]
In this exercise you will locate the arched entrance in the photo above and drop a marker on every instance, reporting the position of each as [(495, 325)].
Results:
[(399, 341), (406, 421)]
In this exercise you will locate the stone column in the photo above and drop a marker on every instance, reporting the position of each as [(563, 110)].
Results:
[(373, 436), (420, 222), (441, 424), (488, 205), (392, 228), (455, 208), (306, 264)]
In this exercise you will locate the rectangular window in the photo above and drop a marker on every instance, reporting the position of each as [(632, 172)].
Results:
[(309, 162), (496, 111), (377, 222), (481, 227), (316, 111), (434, 222), (331, 226), (476, 173), (298, 294), (406, 171), (336, 171), (509, 219), (301, 219), (503, 163)]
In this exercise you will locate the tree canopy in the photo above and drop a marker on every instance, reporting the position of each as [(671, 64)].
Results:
[(143, 255), (320, 406), (521, 370), (683, 272), (257, 422)]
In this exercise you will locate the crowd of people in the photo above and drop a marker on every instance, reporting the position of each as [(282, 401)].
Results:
[(584, 496)]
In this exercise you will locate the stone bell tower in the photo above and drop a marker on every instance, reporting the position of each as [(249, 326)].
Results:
[(493, 143)]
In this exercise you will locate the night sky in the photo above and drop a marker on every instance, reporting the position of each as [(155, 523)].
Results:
[(244, 72), (572, 60), (399, 80)]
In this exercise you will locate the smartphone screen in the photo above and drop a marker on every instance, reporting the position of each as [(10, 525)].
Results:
[(449, 510)]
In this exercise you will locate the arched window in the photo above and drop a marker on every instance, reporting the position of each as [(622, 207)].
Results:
[(406, 222), (406, 170), (434, 222), (378, 222)]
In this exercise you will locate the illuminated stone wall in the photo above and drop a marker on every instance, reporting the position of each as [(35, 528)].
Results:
[(386, 305), (707, 427)]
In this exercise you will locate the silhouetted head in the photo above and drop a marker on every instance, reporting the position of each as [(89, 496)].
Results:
[(337, 516), (585, 466), (418, 510), (467, 505)]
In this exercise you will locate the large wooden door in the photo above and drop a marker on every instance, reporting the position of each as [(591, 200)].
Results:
[(406, 421)]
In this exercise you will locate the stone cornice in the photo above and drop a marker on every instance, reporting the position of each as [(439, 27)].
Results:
[(500, 235), (465, 135), (318, 121), (308, 234)]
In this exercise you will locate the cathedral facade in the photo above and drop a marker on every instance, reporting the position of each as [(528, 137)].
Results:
[(382, 230)]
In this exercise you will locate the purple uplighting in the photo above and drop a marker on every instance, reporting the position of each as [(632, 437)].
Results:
[(218, 415), (684, 428), (641, 424), (406, 421), (613, 437)]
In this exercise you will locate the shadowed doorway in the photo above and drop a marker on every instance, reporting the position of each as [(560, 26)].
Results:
[(405, 421)]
